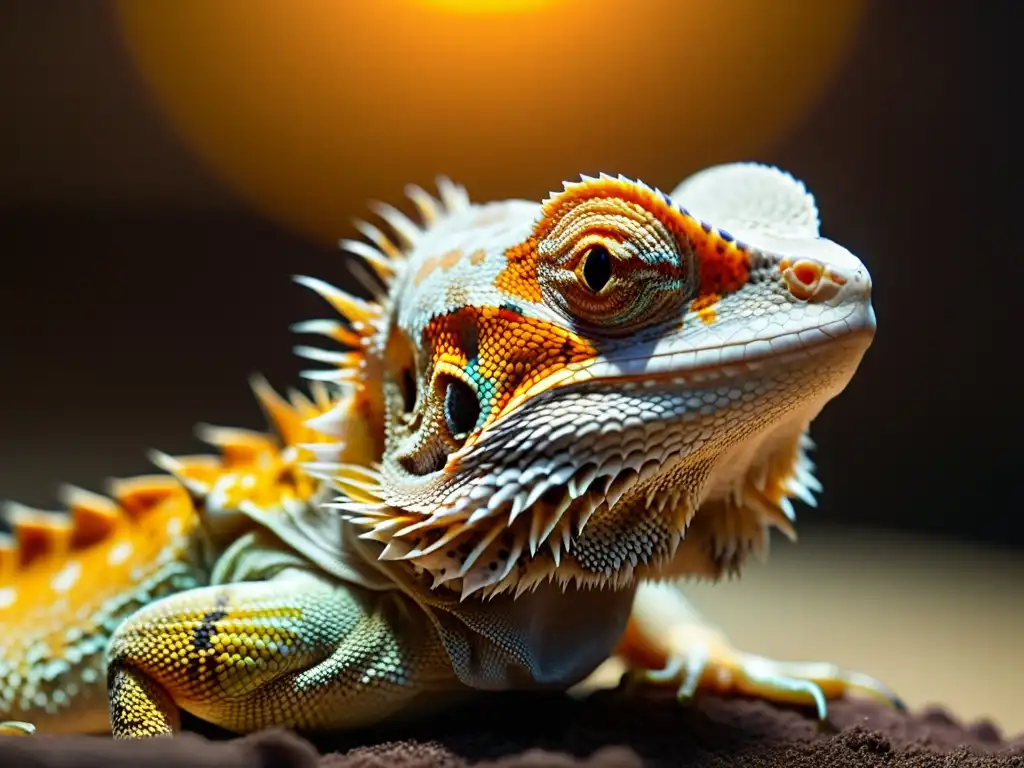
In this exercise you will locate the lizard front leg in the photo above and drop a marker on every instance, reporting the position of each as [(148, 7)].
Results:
[(668, 642), (296, 651)]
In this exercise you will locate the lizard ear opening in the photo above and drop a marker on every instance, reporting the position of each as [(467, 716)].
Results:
[(445, 415), (461, 407), (407, 383)]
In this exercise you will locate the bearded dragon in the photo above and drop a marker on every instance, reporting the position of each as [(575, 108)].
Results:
[(546, 416)]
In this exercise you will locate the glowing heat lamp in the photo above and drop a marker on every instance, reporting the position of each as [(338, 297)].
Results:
[(307, 108), (488, 6)]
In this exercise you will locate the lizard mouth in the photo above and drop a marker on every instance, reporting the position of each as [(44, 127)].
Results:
[(680, 362), (699, 365)]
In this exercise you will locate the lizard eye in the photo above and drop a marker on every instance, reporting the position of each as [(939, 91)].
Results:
[(610, 265), (461, 408), (596, 268)]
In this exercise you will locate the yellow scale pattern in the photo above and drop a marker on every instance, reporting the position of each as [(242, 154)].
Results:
[(297, 651)]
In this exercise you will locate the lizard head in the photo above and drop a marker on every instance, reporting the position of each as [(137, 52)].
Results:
[(608, 386)]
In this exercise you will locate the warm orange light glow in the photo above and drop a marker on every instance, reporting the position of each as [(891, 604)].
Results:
[(308, 107), (488, 6)]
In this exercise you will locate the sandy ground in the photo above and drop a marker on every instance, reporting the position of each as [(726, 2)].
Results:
[(938, 621)]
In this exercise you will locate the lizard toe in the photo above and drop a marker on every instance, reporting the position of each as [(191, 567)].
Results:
[(717, 667)]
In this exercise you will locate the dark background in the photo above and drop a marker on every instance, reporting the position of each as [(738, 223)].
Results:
[(137, 293)]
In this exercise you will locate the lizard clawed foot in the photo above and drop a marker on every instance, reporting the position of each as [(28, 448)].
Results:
[(16, 728), (707, 661)]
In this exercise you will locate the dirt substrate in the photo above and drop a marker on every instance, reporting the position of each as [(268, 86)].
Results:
[(609, 729)]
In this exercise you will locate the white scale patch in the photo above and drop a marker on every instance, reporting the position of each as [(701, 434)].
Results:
[(8, 596), (510, 222), (66, 577), (120, 553)]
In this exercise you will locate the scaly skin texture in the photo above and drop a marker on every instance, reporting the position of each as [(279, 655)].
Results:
[(548, 412)]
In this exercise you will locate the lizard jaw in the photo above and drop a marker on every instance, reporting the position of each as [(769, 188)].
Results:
[(576, 501), (722, 477)]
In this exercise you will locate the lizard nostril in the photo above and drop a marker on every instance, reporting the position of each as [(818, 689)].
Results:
[(804, 280), (807, 272)]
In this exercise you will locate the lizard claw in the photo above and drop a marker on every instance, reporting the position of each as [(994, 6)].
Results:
[(16, 728), (714, 665)]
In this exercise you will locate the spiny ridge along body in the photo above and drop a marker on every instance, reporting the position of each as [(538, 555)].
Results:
[(68, 579)]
